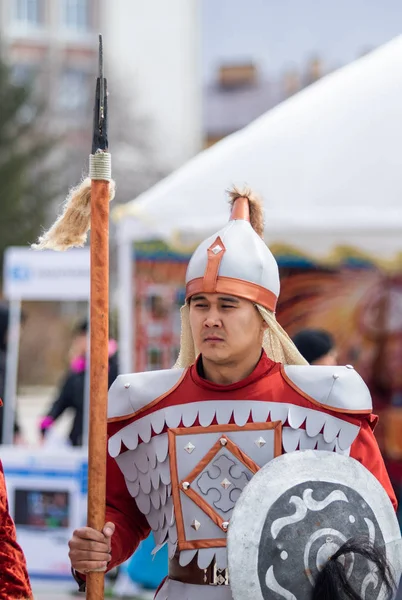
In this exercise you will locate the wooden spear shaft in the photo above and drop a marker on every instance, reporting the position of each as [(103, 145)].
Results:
[(100, 173), (99, 337)]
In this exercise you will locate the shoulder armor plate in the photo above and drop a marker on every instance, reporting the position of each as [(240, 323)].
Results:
[(338, 388), (130, 393)]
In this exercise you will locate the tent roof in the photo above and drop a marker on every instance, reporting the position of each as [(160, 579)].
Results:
[(327, 161)]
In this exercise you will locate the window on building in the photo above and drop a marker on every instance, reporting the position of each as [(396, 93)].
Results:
[(76, 14), (23, 73), (73, 93), (27, 11), (26, 74)]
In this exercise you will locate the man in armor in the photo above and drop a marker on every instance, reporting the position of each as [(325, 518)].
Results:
[(183, 443)]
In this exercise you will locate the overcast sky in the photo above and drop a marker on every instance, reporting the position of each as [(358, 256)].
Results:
[(281, 34)]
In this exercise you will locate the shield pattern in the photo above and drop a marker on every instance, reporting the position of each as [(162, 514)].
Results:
[(296, 513)]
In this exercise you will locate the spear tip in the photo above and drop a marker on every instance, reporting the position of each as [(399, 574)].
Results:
[(100, 56), (99, 139)]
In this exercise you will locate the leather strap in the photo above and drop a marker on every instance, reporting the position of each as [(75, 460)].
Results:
[(192, 574), (79, 579)]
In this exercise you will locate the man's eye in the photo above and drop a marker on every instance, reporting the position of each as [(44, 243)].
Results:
[(227, 306), (199, 305)]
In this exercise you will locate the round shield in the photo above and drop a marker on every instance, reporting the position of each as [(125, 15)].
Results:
[(294, 515)]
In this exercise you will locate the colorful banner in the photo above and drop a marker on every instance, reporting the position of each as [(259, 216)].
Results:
[(159, 294)]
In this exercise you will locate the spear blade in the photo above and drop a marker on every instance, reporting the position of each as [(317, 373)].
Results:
[(99, 137)]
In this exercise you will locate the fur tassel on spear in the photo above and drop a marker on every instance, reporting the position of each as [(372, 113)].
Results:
[(72, 225), (88, 207)]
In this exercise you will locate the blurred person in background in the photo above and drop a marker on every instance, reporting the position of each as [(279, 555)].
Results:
[(317, 346), (72, 391), (4, 320), (14, 580)]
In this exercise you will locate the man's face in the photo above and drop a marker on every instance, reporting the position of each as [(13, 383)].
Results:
[(226, 329)]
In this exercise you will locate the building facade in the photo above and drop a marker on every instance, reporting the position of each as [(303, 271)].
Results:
[(55, 44), (151, 62)]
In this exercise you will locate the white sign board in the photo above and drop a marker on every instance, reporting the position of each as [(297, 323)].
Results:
[(46, 274), (47, 495)]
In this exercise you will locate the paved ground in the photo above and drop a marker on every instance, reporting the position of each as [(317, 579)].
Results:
[(53, 595)]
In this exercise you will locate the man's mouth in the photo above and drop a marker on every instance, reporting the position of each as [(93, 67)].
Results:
[(212, 338)]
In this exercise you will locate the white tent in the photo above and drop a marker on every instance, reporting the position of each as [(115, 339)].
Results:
[(328, 163)]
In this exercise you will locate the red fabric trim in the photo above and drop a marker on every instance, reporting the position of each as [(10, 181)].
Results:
[(14, 580)]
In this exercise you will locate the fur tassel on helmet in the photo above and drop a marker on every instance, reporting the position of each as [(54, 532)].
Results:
[(255, 207), (72, 226)]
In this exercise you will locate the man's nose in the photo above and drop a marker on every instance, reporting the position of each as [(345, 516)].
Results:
[(212, 319)]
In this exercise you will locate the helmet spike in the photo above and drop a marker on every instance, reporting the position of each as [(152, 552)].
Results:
[(246, 206)]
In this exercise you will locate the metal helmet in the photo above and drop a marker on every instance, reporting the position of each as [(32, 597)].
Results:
[(236, 260)]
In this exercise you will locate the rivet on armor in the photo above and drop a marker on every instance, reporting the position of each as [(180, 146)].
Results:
[(260, 442), (284, 555), (126, 385), (189, 447), (349, 366), (335, 376), (223, 441), (216, 249), (185, 485), (226, 483), (225, 525), (196, 524)]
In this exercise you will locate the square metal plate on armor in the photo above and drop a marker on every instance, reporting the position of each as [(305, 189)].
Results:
[(210, 466)]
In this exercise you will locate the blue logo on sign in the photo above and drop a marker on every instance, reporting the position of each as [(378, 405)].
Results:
[(83, 475), (20, 273)]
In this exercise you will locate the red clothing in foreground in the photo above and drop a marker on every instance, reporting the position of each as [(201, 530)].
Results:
[(14, 580)]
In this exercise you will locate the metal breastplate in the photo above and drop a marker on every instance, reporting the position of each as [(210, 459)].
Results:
[(187, 479)]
